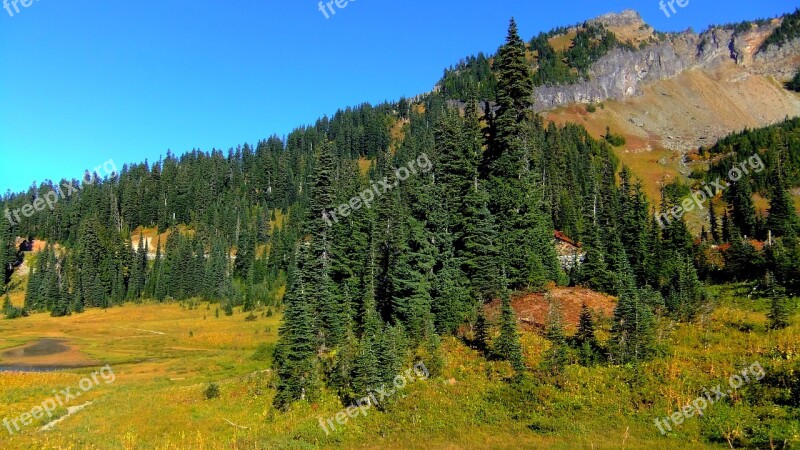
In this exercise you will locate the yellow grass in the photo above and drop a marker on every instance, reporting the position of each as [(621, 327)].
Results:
[(364, 165), (563, 41)]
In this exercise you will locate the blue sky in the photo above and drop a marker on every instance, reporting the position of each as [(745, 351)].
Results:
[(88, 81)]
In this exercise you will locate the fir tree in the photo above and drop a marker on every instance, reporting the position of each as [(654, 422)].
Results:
[(743, 211), (779, 310), (507, 346), (713, 222), (633, 327), (687, 294), (295, 353), (782, 217), (585, 339), (481, 332), (557, 357)]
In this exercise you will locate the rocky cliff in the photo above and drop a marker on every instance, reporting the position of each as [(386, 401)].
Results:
[(624, 73)]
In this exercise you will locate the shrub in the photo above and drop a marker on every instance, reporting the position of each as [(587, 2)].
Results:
[(615, 140), (212, 391), (263, 352), (795, 83)]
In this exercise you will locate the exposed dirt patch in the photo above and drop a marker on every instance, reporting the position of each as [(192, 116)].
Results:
[(532, 309)]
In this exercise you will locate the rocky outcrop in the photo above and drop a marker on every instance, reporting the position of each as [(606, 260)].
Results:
[(623, 73)]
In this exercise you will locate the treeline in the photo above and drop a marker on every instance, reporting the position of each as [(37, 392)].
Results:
[(222, 202), (473, 77), (788, 30), (777, 147)]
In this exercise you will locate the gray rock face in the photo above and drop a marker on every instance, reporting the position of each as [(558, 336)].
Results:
[(623, 73)]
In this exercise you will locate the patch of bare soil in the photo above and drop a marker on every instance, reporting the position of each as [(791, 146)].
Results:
[(532, 309)]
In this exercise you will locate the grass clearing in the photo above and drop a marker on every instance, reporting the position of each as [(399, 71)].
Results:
[(158, 397)]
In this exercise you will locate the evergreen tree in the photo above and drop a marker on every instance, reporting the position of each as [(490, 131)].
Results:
[(557, 357), (515, 197), (295, 353), (366, 375), (779, 310), (507, 346), (481, 332), (7, 253), (782, 217), (743, 211), (687, 294), (713, 222), (632, 330), (411, 280), (216, 282), (137, 280), (480, 253), (585, 338)]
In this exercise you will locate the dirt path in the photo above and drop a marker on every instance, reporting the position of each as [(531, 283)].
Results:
[(70, 411)]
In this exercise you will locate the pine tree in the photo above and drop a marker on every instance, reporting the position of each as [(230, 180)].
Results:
[(481, 332), (7, 252), (779, 310), (295, 353), (687, 294), (137, 279), (480, 254), (216, 283), (557, 357), (411, 280), (743, 211), (632, 330), (333, 322), (36, 279), (514, 193), (782, 217), (507, 346), (366, 375), (585, 338), (713, 222)]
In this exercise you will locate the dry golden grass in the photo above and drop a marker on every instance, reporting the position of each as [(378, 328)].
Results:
[(563, 41), (157, 400), (364, 165)]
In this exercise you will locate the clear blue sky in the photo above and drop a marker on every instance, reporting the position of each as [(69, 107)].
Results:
[(87, 81)]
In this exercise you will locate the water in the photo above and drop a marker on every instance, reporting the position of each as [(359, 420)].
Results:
[(39, 348)]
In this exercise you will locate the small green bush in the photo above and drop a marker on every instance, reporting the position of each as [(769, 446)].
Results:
[(212, 391)]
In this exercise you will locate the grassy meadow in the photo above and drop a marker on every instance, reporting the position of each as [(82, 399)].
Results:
[(165, 355)]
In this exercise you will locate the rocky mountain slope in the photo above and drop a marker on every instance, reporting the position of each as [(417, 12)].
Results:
[(677, 92), (684, 90)]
